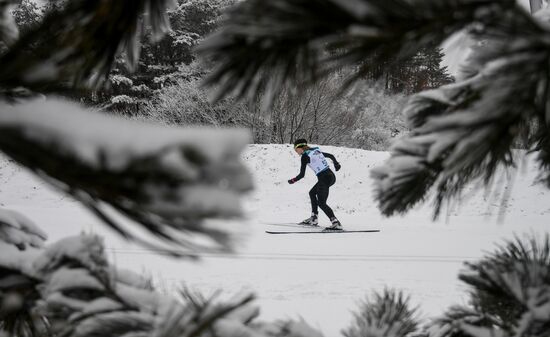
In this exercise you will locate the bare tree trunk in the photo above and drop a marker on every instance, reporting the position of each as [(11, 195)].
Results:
[(317, 108)]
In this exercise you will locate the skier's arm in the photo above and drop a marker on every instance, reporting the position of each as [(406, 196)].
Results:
[(305, 161), (334, 161)]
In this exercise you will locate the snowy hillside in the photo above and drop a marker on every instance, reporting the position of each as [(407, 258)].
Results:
[(319, 277)]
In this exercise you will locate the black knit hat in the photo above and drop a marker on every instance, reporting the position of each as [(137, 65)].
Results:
[(300, 143)]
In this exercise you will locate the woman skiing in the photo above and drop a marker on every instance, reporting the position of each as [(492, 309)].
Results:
[(316, 160)]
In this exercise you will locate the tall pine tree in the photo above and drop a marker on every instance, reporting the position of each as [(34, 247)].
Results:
[(412, 74)]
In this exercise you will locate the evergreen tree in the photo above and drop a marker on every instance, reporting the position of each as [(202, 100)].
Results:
[(163, 62), (413, 74)]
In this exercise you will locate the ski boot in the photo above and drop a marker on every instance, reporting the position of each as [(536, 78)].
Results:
[(311, 221), (336, 225)]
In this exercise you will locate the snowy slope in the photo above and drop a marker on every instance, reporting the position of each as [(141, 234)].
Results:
[(319, 277)]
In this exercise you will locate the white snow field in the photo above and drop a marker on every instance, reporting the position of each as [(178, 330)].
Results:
[(319, 277)]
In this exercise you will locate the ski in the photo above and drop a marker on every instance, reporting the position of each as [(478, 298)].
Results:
[(291, 224), (323, 231)]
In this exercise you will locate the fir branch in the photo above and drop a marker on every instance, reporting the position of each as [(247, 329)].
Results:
[(463, 132), (76, 45), (115, 323), (512, 283), (18, 296), (386, 315), (161, 178), (17, 229), (457, 317), (83, 296), (268, 45), (197, 317)]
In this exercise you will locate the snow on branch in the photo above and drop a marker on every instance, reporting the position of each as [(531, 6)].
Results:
[(17, 229), (18, 282), (168, 180), (386, 314), (458, 318), (85, 251), (8, 28), (78, 43), (463, 132), (268, 44), (509, 293), (82, 295), (76, 293)]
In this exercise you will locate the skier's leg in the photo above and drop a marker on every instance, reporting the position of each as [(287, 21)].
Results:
[(313, 198), (312, 221), (325, 182), (322, 194)]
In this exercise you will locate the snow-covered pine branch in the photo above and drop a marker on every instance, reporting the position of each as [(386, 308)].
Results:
[(463, 132), (69, 289), (167, 179), (18, 292), (264, 46), (456, 318), (78, 43), (387, 314), (17, 229), (509, 293)]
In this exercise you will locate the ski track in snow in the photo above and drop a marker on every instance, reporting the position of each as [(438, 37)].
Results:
[(318, 277)]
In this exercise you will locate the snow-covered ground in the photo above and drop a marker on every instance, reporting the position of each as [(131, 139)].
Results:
[(319, 277)]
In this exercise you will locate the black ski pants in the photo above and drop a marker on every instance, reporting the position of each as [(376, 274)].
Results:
[(319, 193)]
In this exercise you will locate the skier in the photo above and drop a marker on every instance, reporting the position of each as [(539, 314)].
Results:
[(315, 159)]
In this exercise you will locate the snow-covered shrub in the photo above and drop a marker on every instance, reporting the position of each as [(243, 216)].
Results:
[(365, 118), (122, 105), (120, 80), (185, 103), (140, 88), (379, 120), (122, 99)]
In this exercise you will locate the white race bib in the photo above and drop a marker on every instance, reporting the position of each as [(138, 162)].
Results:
[(317, 161)]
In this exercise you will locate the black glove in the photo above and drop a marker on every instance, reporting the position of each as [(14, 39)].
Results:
[(292, 181), (337, 166)]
